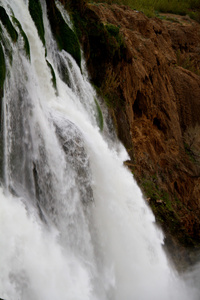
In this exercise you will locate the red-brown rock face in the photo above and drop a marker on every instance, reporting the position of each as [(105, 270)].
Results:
[(160, 107)]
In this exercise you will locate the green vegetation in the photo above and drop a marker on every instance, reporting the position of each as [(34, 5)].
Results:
[(167, 18), (104, 46), (114, 31), (115, 39), (105, 41), (183, 7), (165, 209), (26, 42), (8, 25), (65, 37), (36, 14), (155, 194)]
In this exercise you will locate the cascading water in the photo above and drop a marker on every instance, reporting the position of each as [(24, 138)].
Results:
[(74, 225)]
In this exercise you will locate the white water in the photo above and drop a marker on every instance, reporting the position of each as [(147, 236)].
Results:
[(74, 225)]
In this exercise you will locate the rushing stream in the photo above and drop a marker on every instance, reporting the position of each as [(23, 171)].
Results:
[(73, 222)]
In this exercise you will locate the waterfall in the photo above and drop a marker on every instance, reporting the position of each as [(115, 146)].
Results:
[(73, 222)]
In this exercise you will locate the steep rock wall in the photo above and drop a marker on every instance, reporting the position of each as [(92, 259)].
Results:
[(148, 72), (152, 87)]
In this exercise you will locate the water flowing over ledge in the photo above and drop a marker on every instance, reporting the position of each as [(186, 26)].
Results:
[(74, 224)]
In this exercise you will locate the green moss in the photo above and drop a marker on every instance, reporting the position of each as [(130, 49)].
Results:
[(115, 40), (65, 37), (52, 74), (68, 41), (112, 29), (150, 189), (154, 193), (79, 25), (103, 44), (151, 7), (8, 25), (36, 14), (99, 115), (195, 15), (26, 42), (173, 6), (166, 209)]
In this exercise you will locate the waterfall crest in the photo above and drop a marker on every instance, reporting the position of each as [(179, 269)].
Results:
[(74, 224)]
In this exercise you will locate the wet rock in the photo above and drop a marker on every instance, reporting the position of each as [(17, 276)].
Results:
[(156, 100)]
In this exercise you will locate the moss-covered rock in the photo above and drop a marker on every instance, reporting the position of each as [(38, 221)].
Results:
[(36, 14), (165, 208), (8, 25), (26, 42), (65, 37), (53, 79), (103, 44)]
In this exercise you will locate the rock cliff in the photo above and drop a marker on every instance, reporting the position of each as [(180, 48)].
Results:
[(151, 84)]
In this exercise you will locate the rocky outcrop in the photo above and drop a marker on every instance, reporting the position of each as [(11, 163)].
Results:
[(151, 83)]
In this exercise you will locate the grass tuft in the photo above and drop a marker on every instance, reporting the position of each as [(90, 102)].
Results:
[(150, 7)]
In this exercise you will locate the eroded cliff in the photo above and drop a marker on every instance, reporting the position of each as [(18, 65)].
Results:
[(151, 84)]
